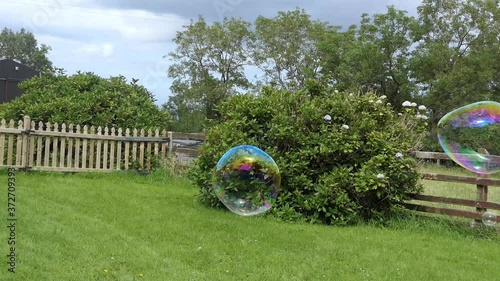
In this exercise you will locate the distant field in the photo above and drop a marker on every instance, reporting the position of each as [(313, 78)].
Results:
[(121, 226)]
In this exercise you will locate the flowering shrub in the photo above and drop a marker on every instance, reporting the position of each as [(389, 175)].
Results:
[(343, 157)]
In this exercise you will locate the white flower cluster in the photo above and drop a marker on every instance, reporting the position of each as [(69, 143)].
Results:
[(420, 108), (409, 104), (413, 104), (421, 116), (380, 99)]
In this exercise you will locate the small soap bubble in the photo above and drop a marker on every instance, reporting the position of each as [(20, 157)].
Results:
[(489, 219), (247, 180), (469, 134)]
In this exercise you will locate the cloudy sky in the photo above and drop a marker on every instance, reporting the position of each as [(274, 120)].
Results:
[(130, 37)]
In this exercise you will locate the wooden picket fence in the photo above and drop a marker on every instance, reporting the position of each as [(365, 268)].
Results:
[(73, 148)]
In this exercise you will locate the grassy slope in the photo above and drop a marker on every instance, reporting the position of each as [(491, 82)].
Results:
[(74, 227)]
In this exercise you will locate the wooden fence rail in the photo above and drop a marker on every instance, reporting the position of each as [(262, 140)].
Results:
[(481, 181), (73, 148), (438, 156)]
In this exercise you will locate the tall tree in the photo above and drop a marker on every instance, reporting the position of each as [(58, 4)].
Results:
[(286, 48), (457, 59), (209, 63), (334, 48), (373, 56), (23, 46)]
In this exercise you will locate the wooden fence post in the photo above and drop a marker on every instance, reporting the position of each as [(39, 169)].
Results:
[(55, 146), (19, 143), (2, 142), (25, 145), (482, 190), (170, 144)]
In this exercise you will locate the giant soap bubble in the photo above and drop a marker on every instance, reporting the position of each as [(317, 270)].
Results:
[(466, 130), (247, 180), (489, 219)]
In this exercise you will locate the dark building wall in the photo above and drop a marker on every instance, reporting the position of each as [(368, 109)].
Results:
[(9, 90), (11, 74)]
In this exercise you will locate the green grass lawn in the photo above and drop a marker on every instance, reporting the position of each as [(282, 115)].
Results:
[(129, 227)]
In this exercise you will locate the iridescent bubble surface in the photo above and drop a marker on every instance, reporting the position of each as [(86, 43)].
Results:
[(489, 219), (247, 180), (470, 135)]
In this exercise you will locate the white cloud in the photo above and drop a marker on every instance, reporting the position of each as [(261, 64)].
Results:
[(107, 50), (104, 50), (80, 17)]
